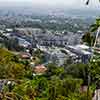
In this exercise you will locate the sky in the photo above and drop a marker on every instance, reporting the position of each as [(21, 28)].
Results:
[(74, 4)]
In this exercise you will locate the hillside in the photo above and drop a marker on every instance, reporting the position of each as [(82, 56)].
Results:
[(10, 66)]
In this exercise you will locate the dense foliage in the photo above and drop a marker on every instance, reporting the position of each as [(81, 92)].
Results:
[(11, 67), (58, 83), (88, 38)]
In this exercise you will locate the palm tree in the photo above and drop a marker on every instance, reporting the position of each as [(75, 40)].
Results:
[(89, 38), (96, 28), (96, 25)]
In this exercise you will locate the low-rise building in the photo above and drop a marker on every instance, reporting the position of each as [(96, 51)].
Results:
[(83, 52), (25, 55), (50, 40), (23, 43), (40, 69)]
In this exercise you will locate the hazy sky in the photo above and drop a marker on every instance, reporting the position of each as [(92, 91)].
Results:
[(52, 3)]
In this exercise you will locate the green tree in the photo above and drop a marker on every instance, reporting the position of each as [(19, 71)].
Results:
[(88, 38), (95, 70), (26, 90), (95, 26)]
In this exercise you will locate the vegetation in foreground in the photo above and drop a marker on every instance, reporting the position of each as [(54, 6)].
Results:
[(58, 83)]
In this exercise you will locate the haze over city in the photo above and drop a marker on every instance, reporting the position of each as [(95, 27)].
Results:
[(75, 4), (45, 7)]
